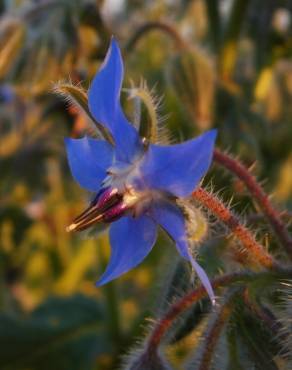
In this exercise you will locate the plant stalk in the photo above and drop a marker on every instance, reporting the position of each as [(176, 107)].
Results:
[(259, 195)]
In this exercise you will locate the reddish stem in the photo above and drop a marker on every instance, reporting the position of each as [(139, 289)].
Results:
[(263, 314), (260, 196), (213, 334), (252, 248), (184, 303)]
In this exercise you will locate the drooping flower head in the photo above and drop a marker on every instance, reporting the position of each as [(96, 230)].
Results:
[(137, 183)]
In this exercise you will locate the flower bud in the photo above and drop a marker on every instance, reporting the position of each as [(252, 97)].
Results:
[(193, 79)]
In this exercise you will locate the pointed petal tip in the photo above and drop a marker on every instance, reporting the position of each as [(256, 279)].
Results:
[(104, 90), (114, 43), (211, 296), (203, 278), (100, 283), (104, 103), (178, 168), (113, 54), (210, 135), (210, 138), (104, 279), (213, 132)]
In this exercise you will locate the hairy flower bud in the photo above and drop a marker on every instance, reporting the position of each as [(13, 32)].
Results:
[(193, 78)]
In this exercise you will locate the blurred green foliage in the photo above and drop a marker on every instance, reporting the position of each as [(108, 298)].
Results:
[(224, 64)]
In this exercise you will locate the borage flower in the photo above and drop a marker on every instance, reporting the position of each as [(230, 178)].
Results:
[(137, 183)]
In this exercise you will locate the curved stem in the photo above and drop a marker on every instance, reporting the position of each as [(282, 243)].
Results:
[(149, 128), (212, 336), (155, 25), (78, 96), (184, 303), (259, 195), (253, 251), (264, 314)]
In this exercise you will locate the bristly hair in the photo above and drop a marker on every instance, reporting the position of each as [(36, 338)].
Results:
[(285, 322), (196, 223), (155, 126), (76, 96)]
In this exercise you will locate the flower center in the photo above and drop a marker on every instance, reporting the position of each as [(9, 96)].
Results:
[(123, 192)]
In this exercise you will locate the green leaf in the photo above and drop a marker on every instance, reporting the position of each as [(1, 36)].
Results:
[(62, 334)]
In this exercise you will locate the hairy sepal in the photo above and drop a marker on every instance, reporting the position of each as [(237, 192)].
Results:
[(77, 96)]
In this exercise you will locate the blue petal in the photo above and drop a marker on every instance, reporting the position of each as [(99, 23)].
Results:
[(178, 168), (88, 161), (131, 240), (104, 104), (172, 220)]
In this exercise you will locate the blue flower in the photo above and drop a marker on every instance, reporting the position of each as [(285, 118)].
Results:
[(136, 185)]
